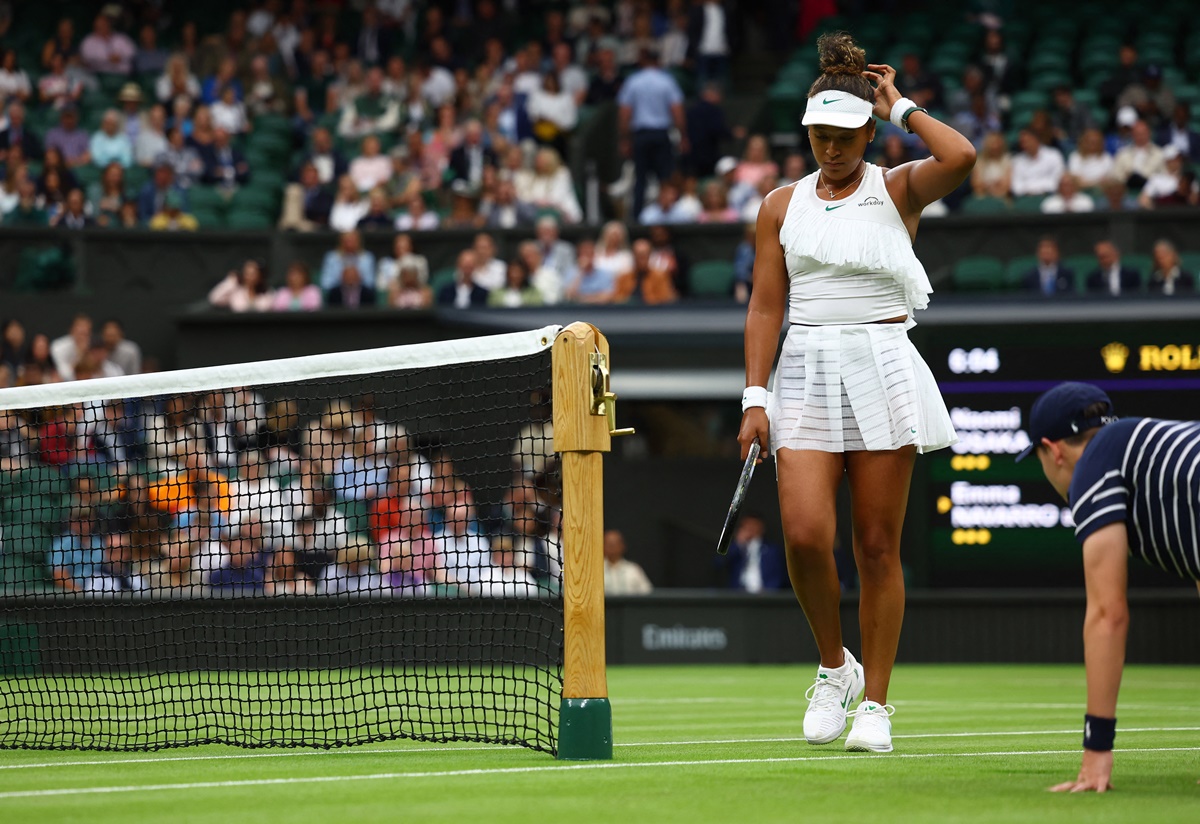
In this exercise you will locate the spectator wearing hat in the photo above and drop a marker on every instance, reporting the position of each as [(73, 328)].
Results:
[(111, 143), (172, 217), (1048, 276), (1140, 160), (132, 117), (1110, 277), (152, 198), (650, 104), (106, 51), (17, 134)]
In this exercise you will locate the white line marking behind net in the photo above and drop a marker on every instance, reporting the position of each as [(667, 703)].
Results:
[(452, 748), (606, 765)]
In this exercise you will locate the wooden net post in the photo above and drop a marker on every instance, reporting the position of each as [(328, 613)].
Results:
[(581, 437)]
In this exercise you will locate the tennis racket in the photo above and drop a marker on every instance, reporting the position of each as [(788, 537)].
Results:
[(739, 498)]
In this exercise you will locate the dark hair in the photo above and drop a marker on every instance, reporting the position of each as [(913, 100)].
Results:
[(842, 63)]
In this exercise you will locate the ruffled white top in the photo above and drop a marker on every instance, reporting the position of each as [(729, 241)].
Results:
[(850, 261)]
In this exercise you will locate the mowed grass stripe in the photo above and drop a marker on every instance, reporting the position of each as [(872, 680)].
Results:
[(557, 768)]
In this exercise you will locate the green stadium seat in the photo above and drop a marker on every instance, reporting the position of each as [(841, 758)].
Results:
[(206, 198), (1140, 261), (1028, 203), (785, 101), (984, 206), (1082, 265), (208, 218), (978, 272), (1190, 262), (255, 197), (1048, 80), (1016, 269), (246, 218), (441, 278), (1029, 100), (712, 278)]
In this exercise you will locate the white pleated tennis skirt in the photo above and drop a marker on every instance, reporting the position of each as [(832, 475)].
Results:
[(853, 388)]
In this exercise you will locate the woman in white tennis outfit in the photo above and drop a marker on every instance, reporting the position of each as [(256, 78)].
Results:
[(851, 393)]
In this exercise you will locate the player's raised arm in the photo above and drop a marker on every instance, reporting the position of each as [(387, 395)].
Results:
[(951, 158), (1105, 567)]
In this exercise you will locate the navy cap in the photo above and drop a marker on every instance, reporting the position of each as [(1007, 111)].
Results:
[(1058, 413)]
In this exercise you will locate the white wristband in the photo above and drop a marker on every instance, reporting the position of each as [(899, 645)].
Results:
[(898, 109), (754, 396)]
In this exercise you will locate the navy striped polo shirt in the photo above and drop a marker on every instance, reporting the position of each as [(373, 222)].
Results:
[(1146, 473)]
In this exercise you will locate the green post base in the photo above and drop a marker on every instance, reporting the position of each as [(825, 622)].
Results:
[(585, 730)]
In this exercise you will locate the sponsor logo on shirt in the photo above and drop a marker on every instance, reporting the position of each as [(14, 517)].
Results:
[(871, 201)]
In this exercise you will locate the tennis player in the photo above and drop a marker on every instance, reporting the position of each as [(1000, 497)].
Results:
[(1134, 489), (851, 393)]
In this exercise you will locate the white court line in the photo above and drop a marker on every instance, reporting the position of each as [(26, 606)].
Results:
[(452, 748), (605, 765)]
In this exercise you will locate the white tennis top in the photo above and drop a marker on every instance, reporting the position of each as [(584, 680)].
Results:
[(850, 261)]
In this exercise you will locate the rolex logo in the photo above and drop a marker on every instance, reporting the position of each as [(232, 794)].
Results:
[(1115, 355)]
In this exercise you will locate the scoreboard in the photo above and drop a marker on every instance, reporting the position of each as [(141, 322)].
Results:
[(990, 521)]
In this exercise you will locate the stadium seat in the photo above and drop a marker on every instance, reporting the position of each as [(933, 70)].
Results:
[(255, 197), (1016, 268), (1140, 261), (984, 205), (207, 199), (440, 278), (1028, 203), (209, 218), (712, 278), (248, 218), (1082, 265), (978, 272)]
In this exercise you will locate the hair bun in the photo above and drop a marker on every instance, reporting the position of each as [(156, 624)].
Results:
[(839, 54)]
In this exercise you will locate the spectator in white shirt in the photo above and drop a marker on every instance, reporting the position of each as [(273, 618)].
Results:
[(1166, 182), (622, 576), (1036, 169), (68, 349), (348, 206), (371, 168), (229, 113), (554, 113), (1090, 164), (1140, 160), (1068, 199), (490, 272), (709, 29)]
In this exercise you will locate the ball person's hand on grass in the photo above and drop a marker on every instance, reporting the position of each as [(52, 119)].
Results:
[(1093, 775)]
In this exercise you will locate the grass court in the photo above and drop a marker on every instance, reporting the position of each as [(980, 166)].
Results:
[(694, 744)]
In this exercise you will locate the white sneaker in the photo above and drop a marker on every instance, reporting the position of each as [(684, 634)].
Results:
[(829, 698), (872, 730)]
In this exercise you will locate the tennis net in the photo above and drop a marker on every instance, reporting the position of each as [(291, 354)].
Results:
[(316, 551)]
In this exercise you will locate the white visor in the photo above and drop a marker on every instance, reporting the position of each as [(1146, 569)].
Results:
[(846, 111)]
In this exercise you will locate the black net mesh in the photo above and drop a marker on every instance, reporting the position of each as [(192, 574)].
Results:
[(322, 563)]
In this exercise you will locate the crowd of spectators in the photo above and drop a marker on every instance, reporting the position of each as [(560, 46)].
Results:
[(228, 491), (1105, 273), (538, 271)]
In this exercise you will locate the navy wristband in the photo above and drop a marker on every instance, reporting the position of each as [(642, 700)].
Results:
[(1098, 733)]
